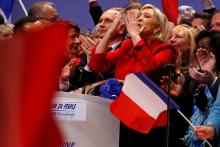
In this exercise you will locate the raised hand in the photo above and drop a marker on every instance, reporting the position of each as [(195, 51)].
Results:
[(207, 4), (206, 59), (204, 132), (87, 44), (132, 24), (203, 76), (68, 69), (175, 86), (132, 27), (114, 27), (200, 28)]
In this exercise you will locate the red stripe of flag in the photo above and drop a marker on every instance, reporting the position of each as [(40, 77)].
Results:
[(30, 67), (170, 9), (141, 105), (124, 109)]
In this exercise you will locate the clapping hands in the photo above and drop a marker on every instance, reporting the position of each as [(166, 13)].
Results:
[(87, 44), (207, 62)]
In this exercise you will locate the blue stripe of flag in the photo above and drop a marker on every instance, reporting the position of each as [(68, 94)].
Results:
[(6, 6), (156, 89)]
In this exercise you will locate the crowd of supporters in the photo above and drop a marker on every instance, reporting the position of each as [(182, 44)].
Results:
[(139, 38)]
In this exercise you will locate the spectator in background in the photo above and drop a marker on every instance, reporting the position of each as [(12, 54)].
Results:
[(210, 66), (208, 6), (133, 8), (185, 14), (94, 34), (44, 10), (215, 22), (183, 39), (183, 91), (24, 22), (203, 97), (75, 59), (201, 21), (203, 40), (73, 41)]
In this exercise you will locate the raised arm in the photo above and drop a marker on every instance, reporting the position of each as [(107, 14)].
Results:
[(208, 6), (95, 11), (132, 28)]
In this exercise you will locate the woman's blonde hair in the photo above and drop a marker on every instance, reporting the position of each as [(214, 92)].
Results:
[(190, 37), (161, 21)]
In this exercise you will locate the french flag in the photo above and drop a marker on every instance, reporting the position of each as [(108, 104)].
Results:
[(141, 105), (170, 9), (6, 7)]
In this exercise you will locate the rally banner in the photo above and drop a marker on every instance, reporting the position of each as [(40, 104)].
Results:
[(85, 121)]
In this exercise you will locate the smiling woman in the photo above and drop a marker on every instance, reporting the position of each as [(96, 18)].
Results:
[(73, 42)]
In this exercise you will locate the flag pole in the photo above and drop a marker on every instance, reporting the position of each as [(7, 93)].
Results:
[(169, 66), (3, 15), (23, 7), (192, 125)]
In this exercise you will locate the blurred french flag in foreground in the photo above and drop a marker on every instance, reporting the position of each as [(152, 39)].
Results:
[(141, 105), (6, 7), (170, 9)]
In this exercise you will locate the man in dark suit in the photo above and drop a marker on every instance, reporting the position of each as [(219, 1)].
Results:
[(78, 75)]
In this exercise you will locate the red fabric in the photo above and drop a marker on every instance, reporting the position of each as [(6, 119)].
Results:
[(131, 114), (38, 58), (128, 58), (170, 9), (161, 120)]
